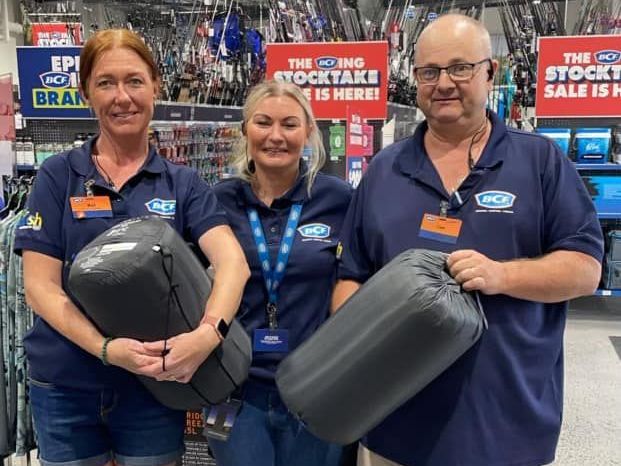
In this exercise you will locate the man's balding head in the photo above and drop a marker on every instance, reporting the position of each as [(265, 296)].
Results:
[(449, 101), (461, 28)]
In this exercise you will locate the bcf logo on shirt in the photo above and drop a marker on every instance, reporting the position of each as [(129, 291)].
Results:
[(314, 230), (495, 199), (161, 206)]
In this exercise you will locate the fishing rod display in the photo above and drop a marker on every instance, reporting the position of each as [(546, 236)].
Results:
[(213, 51), (598, 17)]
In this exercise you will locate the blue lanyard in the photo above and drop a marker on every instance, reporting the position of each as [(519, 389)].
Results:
[(273, 276)]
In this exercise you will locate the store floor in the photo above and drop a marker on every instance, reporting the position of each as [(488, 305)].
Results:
[(591, 433)]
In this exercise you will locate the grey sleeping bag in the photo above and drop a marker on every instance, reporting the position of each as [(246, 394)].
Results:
[(399, 331), (139, 279)]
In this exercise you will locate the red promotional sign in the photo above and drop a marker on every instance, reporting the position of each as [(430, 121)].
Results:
[(334, 75), (354, 144), (579, 76), (359, 140), (54, 34), (7, 117)]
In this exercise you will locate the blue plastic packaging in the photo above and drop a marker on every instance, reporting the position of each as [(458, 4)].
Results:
[(592, 145), (559, 135)]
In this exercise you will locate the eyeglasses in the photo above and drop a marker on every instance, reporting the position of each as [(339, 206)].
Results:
[(457, 72)]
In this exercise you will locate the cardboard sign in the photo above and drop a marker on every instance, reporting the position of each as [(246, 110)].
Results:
[(48, 82), (579, 76), (334, 75), (55, 34)]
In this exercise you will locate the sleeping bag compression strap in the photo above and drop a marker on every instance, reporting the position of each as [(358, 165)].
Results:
[(167, 266), (479, 307)]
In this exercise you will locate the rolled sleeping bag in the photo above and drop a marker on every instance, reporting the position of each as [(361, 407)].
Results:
[(406, 325), (139, 279)]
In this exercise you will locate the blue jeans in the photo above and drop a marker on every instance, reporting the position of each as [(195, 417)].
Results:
[(266, 434), (89, 428)]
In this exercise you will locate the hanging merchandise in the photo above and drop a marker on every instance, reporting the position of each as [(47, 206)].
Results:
[(16, 434), (598, 17), (206, 147), (226, 36)]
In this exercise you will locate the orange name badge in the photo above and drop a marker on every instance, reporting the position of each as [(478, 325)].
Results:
[(438, 228), (91, 207)]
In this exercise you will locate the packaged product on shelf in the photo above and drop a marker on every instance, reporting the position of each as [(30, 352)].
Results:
[(205, 147), (28, 151), (559, 135), (616, 144), (79, 140), (19, 150), (43, 151), (592, 145), (612, 275)]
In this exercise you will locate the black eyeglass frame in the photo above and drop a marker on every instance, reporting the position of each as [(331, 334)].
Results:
[(448, 71)]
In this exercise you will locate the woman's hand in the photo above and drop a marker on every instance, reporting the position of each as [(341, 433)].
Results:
[(184, 353), (133, 357)]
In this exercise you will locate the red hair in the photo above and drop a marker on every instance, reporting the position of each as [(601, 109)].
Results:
[(109, 39)]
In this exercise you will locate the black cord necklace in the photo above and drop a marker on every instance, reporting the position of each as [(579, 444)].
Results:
[(107, 177), (479, 131)]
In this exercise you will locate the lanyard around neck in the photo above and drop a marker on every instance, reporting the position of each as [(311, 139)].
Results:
[(273, 276)]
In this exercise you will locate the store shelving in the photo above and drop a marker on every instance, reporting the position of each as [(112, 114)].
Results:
[(598, 166), (603, 292)]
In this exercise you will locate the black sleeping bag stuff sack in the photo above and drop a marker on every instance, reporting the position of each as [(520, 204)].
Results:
[(124, 280), (399, 331)]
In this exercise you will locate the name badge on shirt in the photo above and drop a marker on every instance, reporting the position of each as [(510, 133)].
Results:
[(271, 341), (439, 228), (91, 207)]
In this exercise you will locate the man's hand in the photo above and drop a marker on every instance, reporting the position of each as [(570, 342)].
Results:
[(476, 272)]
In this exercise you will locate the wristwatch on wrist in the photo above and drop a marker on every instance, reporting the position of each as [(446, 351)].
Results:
[(219, 325)]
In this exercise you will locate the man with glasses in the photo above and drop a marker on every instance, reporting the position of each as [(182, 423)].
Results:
[(521, 231)]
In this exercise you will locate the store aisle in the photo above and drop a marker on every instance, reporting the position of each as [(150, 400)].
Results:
[(591, 434)]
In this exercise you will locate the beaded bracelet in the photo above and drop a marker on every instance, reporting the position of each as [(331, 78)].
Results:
[(104, 351)]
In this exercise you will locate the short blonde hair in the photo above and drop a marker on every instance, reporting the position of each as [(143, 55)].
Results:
[(241, 159)]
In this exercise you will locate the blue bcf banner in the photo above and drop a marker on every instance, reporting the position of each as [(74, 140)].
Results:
[(48, 82)]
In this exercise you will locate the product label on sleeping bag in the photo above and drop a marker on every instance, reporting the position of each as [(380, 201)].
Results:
[(116, 247)]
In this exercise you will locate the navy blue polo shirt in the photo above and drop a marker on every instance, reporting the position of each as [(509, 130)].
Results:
[(306, 289), (501, 403), (192, 209)]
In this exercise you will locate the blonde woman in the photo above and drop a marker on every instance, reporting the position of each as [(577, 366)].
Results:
[(287, 216)]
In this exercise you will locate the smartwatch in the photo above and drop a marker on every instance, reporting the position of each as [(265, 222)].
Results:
[(219, 325)]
